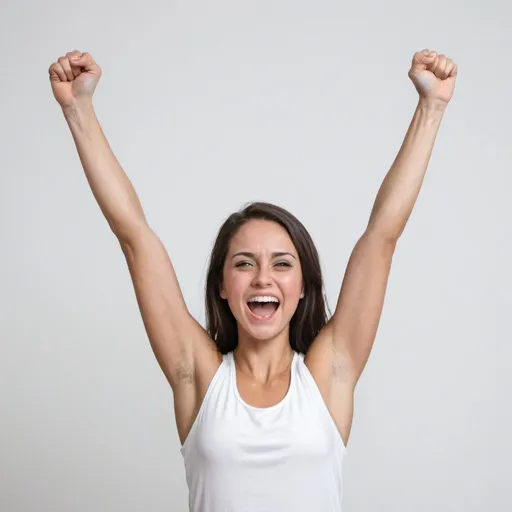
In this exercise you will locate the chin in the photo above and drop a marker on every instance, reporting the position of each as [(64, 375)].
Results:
[(265, 331), (263, 334)]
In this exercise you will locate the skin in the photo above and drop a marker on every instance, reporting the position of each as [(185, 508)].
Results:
[(261, 344), (183, 349), (262, 260)]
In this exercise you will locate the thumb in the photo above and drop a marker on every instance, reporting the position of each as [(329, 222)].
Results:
[(422, 60), (85, 61)]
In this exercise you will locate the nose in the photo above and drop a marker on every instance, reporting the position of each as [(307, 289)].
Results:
[(262, 278)]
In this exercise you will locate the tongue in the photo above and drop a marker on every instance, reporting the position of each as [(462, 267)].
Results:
[(264, 309)]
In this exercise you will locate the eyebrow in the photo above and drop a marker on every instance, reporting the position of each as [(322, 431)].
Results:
[(253, 256)]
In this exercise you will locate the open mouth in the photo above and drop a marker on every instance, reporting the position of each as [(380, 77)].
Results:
[(263, 308)]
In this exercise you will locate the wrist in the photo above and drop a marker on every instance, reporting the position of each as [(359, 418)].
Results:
[(78, 109), (430, 112), (80, 115), (432, 106)]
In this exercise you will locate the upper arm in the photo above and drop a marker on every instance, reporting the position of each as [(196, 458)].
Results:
[(358, 311), (181, 346), (345, 343), (339, 353)]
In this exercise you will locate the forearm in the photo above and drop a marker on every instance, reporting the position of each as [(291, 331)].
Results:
[(110, 185), (401, 186)]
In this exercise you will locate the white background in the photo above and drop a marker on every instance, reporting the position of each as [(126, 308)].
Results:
[(209, 105)]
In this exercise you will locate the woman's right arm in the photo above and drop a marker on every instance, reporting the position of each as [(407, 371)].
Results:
[(181, 346)]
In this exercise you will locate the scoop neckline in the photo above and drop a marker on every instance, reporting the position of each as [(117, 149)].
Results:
[(279, 404)]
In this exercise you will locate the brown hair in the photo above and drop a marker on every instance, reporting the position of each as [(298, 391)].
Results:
[(311, 313)]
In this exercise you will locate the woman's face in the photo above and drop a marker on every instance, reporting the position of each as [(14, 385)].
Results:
[(262, 279)]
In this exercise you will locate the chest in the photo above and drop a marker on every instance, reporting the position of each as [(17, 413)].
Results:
[(247, 438), (262, 395)]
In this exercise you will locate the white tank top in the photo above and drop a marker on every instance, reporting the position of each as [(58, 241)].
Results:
[(240, 458)]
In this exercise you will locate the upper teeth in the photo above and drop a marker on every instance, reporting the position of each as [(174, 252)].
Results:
[(267, 298)]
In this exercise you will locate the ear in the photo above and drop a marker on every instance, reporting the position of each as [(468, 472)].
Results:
[(302, 294), (222, 292)]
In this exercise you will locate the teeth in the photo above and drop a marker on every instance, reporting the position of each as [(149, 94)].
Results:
[(264, 299)]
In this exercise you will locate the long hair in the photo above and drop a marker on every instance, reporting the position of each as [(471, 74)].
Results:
[(311, 313)]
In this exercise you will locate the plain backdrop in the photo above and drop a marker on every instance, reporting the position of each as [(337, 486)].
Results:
[(209, 105)]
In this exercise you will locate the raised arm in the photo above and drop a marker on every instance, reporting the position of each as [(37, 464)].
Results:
[(345, 343), (182, 347)]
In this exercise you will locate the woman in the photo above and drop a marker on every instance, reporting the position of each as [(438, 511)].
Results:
[(264, 396)]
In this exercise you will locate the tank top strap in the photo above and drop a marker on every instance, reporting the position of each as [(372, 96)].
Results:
[(215, 390), (230, 371), (308, 385)]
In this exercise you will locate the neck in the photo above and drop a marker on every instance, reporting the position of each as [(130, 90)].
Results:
[(263, 359)]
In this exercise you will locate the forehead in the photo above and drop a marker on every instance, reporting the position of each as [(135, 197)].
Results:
[(262, 236)]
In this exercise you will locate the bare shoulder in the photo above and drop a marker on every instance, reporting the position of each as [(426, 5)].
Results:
[(199, 358), (185, 352), (329, 365), (192, 377), (334, 375)]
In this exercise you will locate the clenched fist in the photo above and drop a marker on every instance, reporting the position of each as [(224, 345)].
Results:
[(434, 76), (74, 78)]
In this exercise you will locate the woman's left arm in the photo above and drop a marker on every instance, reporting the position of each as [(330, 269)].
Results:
[(353, 327)]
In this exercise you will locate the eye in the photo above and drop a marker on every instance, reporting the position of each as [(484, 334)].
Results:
[(283, 264), (242, 264)]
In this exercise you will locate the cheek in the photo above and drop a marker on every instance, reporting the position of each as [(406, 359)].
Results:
[(291, 283), (235, 285)]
